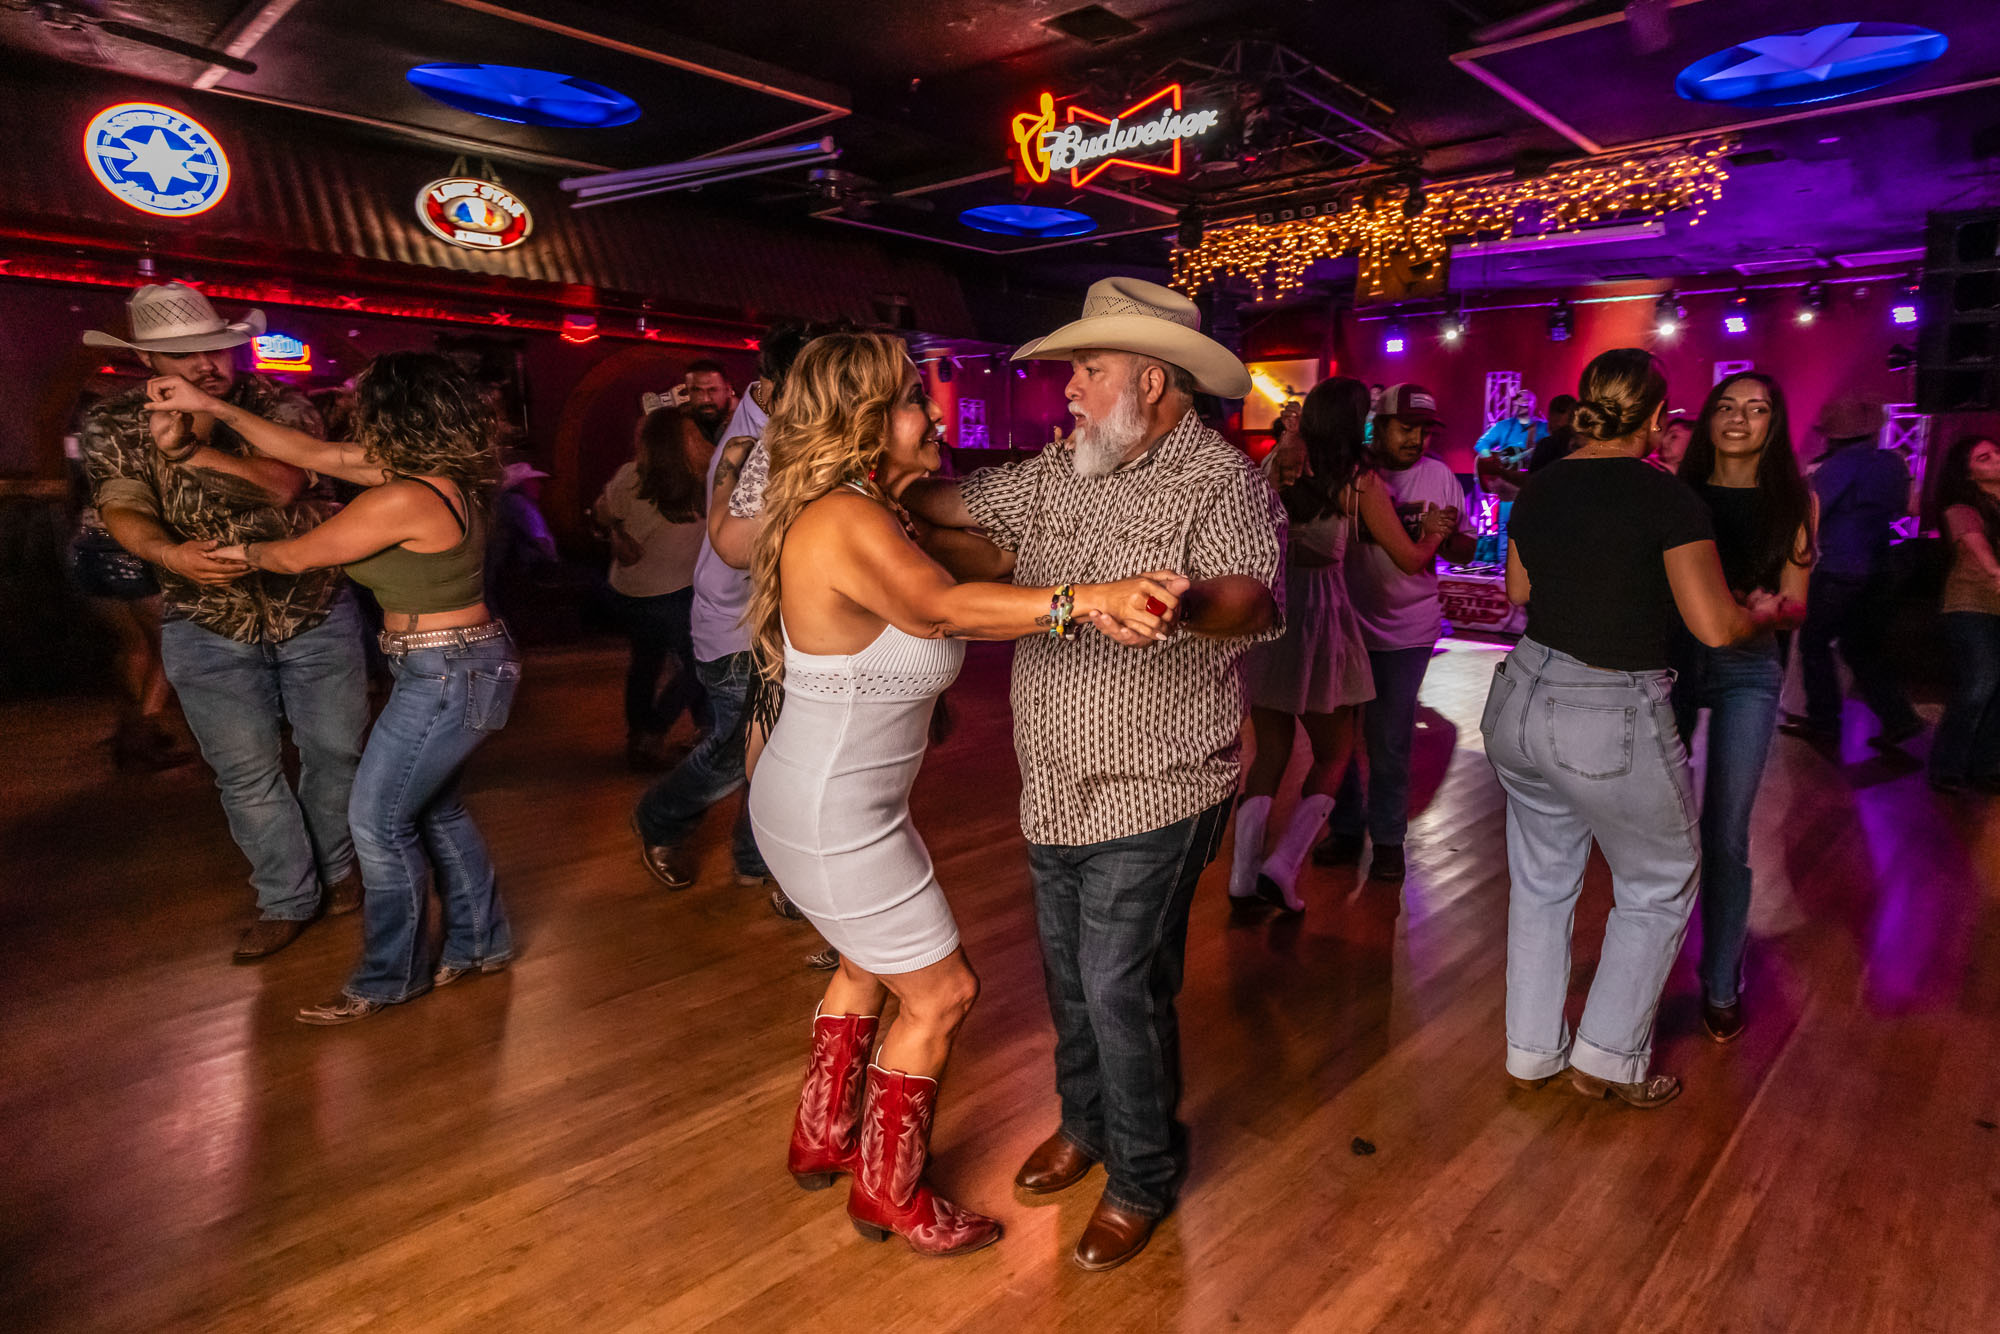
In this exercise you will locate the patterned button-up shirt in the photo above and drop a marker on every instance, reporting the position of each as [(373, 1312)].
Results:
[(1115, 741), (194, 504)]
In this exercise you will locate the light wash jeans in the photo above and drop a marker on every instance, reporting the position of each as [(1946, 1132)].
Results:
[(1587, 754), (236, 696), (411, 826)]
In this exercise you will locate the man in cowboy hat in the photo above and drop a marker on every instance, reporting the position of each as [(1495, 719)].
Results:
[(1128, 759), (245, 650)]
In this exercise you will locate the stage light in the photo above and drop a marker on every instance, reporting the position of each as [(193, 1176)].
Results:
[(1562, 322), (1905, 311), (1414, 200), (1452, 327), (1394, 340), (1812, 302), (1736, 320), (945, 367), (1667, 316)]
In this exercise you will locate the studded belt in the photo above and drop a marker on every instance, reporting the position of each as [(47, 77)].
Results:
[(394, 642)]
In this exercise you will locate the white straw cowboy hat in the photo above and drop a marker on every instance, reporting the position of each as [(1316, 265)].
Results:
[(173, 317), (1132, 315)]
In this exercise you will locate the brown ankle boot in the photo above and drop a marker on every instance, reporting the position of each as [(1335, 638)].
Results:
[(889, 1193), (827, 1128)]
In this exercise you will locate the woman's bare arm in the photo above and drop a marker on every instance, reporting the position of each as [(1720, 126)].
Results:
[(1378, 511), (868, 560)]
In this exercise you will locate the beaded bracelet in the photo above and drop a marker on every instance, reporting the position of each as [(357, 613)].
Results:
[(1062, 607)]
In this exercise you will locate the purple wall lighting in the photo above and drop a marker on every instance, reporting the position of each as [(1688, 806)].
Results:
[(1393, 342), (1903, 312), (1736, 324)]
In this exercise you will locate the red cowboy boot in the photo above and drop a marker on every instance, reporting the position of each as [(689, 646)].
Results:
[(889, 1193), (829, 1120)]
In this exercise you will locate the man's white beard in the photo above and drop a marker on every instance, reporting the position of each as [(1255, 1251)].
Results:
[(1101, 446)]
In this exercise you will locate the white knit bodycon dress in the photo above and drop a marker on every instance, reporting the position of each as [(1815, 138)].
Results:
[(830, 803)]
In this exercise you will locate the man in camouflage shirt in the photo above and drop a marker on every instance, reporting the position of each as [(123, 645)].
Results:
[(246, 650)]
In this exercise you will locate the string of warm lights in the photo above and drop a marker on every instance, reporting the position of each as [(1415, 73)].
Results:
[(1380, 229)]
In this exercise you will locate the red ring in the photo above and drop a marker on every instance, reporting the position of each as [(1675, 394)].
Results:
[(1155, 606)]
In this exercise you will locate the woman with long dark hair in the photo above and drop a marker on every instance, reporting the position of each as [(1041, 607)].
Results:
[(652, 509), (1580, 729), (1739, 461), (1318, 671), (416, 537), (1966, 749)]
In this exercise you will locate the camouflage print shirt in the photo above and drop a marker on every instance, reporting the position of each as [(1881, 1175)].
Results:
[(199, 504)]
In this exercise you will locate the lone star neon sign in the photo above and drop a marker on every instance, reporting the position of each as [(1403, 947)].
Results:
[(1811, 64), (1047, 148)]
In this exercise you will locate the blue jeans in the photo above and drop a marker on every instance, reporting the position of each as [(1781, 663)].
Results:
[(410, 822), (1739, 687), (1854, 610), (1388, 727), (658, 629), (1967, 743), (1587, 754), (235, 696), (1113, 922), (672, 807)]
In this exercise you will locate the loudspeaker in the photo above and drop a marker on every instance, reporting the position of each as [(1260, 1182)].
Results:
[(1958, 340)]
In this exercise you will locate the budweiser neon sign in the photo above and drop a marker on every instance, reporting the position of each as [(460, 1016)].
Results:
[(1087, 143)]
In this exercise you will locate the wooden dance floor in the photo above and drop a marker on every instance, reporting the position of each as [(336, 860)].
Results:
[(594, 1141)]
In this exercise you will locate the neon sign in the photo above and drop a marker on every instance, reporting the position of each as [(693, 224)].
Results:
[(280, 352), (1047, 148), (156, 160), (472, 213)]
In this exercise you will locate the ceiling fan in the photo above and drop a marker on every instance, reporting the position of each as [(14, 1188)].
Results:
[(74, 27)]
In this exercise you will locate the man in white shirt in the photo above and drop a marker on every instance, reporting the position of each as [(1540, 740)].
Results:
[(1400, 617), (674, 806)]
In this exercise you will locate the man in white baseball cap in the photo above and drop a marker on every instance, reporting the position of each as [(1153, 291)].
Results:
[(1129, 759), (246, 650)]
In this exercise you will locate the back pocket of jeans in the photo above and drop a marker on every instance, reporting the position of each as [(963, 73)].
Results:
[(1497, 696), (489, 695), (1591, 740)]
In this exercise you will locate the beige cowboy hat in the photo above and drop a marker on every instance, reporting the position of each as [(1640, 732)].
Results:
[(1132, 315), (173, 317)]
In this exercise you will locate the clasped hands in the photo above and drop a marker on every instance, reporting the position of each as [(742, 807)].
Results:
[(1135, 612)]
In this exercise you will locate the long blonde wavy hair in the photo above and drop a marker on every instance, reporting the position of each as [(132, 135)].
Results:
[(829, 429)]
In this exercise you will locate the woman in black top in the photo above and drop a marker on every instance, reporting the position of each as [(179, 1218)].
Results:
[(1740, 463), (1579, 729)]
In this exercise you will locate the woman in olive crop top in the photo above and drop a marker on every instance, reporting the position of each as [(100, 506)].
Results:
[(423, 448)]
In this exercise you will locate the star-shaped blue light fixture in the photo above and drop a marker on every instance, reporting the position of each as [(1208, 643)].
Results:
[(526, 96), (1031, 220), (1811, 64)]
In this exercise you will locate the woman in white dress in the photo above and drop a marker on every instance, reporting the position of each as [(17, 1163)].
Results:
[(861, 630), (1318, 671)]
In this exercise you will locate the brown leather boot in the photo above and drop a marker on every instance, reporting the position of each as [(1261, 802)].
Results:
[(344, 897), (1056, 1164), (1112, 1237), (266, 936), (827, 1129), (890, 1194)]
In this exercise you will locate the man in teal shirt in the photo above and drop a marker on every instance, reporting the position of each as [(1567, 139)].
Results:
[(1503, 465)]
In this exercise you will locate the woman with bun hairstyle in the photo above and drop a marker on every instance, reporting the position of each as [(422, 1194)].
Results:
[(1739, 462), (1579, 727)]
